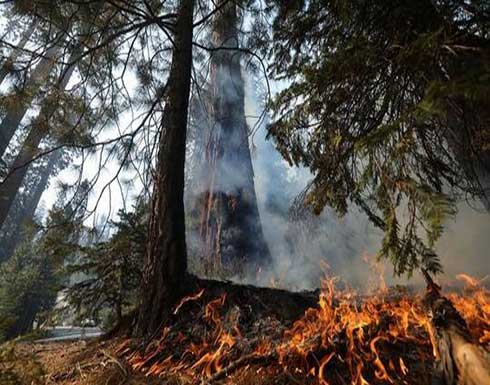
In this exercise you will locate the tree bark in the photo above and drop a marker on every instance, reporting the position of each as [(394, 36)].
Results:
[(15, 115), (166, 260), (230, 227)]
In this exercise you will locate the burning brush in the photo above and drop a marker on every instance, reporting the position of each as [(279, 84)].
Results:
[(394, 337)]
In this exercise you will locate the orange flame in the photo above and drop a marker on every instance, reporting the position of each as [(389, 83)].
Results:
[(345, 331), (188, 299), (468, 280)]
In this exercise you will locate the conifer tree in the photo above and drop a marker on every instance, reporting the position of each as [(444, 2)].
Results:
[(31, 279), (18, 109), (8, 64), (21, 215), (30, 148)]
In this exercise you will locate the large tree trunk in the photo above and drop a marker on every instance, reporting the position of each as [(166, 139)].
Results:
[(230, 226), (7, 66), (30, 147), (166, 260), (15, 114)]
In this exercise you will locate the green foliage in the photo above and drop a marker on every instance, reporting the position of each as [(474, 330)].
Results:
[(388, 106), (28, 286), (110, 271), (32, 277)]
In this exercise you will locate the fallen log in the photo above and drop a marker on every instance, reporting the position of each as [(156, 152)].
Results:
[(461, 360)]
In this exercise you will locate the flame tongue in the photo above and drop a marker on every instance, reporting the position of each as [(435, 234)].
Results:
[(346, 339)]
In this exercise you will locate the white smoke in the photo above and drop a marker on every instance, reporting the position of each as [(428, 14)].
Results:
[(342, 242), (337, 242)]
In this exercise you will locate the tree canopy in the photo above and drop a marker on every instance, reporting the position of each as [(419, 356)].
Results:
[(387, 102)]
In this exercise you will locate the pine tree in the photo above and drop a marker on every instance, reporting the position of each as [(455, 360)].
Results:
[(30, 148), (22, 213), (33, 276), (18, 109), (111, 269), (9, 64)]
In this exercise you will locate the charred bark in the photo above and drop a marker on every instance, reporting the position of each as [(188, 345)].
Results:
[(230, 227), (166, 260), (461, 360)]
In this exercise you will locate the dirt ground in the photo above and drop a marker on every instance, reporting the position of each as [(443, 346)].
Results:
[(78, 363)]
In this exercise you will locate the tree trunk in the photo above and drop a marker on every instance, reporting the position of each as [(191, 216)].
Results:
[(23, 324), (15, 114), (166, 260), (230, 226), (30, 147), (13, 229), (7, 66)]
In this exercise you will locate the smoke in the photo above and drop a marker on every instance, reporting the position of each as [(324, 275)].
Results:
[(301, 247), (465, 245), (301, 250)]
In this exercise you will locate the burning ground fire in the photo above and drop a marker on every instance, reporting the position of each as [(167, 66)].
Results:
[(347, 339)]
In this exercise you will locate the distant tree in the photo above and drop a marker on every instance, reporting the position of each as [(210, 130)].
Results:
[(110, 270), (8, 65), (388, 105), (27, 287), (21, 215), (31, 279), (19, 103), (229, 227), (30, 148)]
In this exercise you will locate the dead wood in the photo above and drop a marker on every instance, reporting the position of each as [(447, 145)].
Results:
[(462, 361)]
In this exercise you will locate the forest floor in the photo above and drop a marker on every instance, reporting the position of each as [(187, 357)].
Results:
[(230, 334), (76, 363)]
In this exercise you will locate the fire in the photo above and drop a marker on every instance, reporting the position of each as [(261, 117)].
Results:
[(469, 281), (188, 299), (474, 307), (347, 338), (403, 367)]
